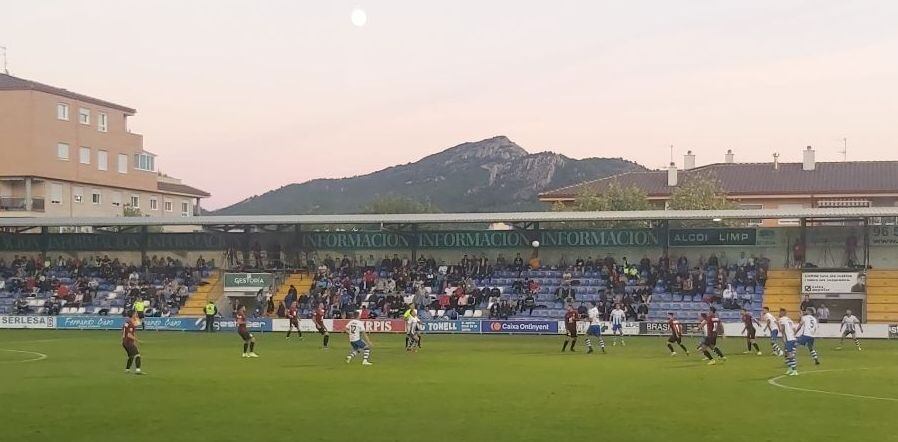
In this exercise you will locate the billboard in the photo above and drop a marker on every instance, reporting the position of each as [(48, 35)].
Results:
[(374, 325), (518, 327), (467, 326), (824, 283), (27, 322), (247, 282)]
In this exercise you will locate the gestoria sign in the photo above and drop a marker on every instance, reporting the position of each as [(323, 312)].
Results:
[(246, 282)]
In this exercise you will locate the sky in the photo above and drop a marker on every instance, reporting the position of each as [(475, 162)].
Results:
[(240, 97)]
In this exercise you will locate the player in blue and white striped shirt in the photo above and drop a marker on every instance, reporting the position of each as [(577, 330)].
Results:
[(849, 323), (617, 324), (807, 330)]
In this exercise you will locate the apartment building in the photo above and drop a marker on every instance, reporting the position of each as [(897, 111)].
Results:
[(65, 154)]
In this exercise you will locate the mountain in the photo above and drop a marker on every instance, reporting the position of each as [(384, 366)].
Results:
[(492, 175)]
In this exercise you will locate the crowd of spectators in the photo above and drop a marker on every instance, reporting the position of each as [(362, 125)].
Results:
[(161, 282)]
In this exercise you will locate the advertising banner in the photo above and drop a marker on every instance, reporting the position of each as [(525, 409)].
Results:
[(893, 331), (661, 328), (469, 326), (27, 322), (374, 325), (305, 325), (884, 235), (823, 283), (247, 282), (252, 324), (517, 327), (628, 328), (712, 237), (89, 322), (180, 323)]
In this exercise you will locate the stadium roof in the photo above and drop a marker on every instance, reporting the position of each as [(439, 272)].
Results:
[(449, 218), (181, 189), (11, 83), (741, 179)]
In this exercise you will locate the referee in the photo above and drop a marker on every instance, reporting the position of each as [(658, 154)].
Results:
[(210, 310)]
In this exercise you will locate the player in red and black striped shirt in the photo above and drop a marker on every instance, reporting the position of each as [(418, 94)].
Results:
[(570, 327), (676, 334), (249, 341), (293, 316), (750, 331), (318, 318), (713, 328), (129, 343)]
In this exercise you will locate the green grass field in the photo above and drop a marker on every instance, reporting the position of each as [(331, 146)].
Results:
[(497, 388)]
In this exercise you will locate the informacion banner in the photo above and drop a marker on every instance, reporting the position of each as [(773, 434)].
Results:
[(469, 326), (246, 282), (27, 322), (823, 283), (517, 327), (374, 325)]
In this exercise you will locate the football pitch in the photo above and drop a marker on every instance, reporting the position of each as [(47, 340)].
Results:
[(70, 385)]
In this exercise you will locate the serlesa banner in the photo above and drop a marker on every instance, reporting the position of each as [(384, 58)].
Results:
[(530, 327), (466, 326), (374, 325), (246, 282), (27, 322)]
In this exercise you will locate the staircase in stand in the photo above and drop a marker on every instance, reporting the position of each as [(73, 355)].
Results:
[(214, 290), (882, 296), (783, 290)]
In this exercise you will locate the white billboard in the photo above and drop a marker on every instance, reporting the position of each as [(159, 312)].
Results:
[(832, 283)]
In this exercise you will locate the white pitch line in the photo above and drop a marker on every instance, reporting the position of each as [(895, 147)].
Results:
[(40, 356), (773, 381)]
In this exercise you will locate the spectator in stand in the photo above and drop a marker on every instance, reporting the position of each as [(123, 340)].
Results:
[(729, 297), (642, 312), (529, 303)]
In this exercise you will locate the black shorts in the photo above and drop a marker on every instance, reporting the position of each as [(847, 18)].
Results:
[(675, 339), (140, 315), (245, 335), (710, 341), (750, 333), (131, 349), (571, 333), (321, 329), (294, 323)]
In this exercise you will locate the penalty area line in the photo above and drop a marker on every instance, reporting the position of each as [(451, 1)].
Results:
[(775, 382), (38, 356)]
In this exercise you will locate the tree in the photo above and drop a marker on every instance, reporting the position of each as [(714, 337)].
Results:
[(614, 198), (700, 192), (398, 204), (133, 212)]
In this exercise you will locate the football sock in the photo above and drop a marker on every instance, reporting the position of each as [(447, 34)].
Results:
[(326, 338), (588, 343), (289, 330), (573, 343), (352, 354), (717, 350), (776, 347), (857, 342), (749, 346), (670, 347), (791, 362), (684, 348), (137, 362), (128, 365), (366, 354), (564, 347), (707, 354), (245, 346), (252, 346), (814, 354), (755, 345), (602, 344)]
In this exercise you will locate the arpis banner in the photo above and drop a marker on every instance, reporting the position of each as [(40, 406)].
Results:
[(531, 327), (374, 325), (27, 322), (452, 326)]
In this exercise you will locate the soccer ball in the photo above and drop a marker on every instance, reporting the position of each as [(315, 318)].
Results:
[(535, 244)]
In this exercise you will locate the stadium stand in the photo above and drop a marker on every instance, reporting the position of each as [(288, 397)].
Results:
[(97, 286), (882, 296)]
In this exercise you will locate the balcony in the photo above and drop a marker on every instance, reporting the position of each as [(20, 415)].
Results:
[(18, 204)]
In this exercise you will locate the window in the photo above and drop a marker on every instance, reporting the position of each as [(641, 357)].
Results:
[(102, 160), (95, 196), (117, 199), (122, 163), (62, 151), (84, 156), (144, 161), (78, 194), (135, 201), (185, 209), (84, 116), (154, 204), (168, 206), (102, 122), (55, 193), (62, 111), (790, 221)]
